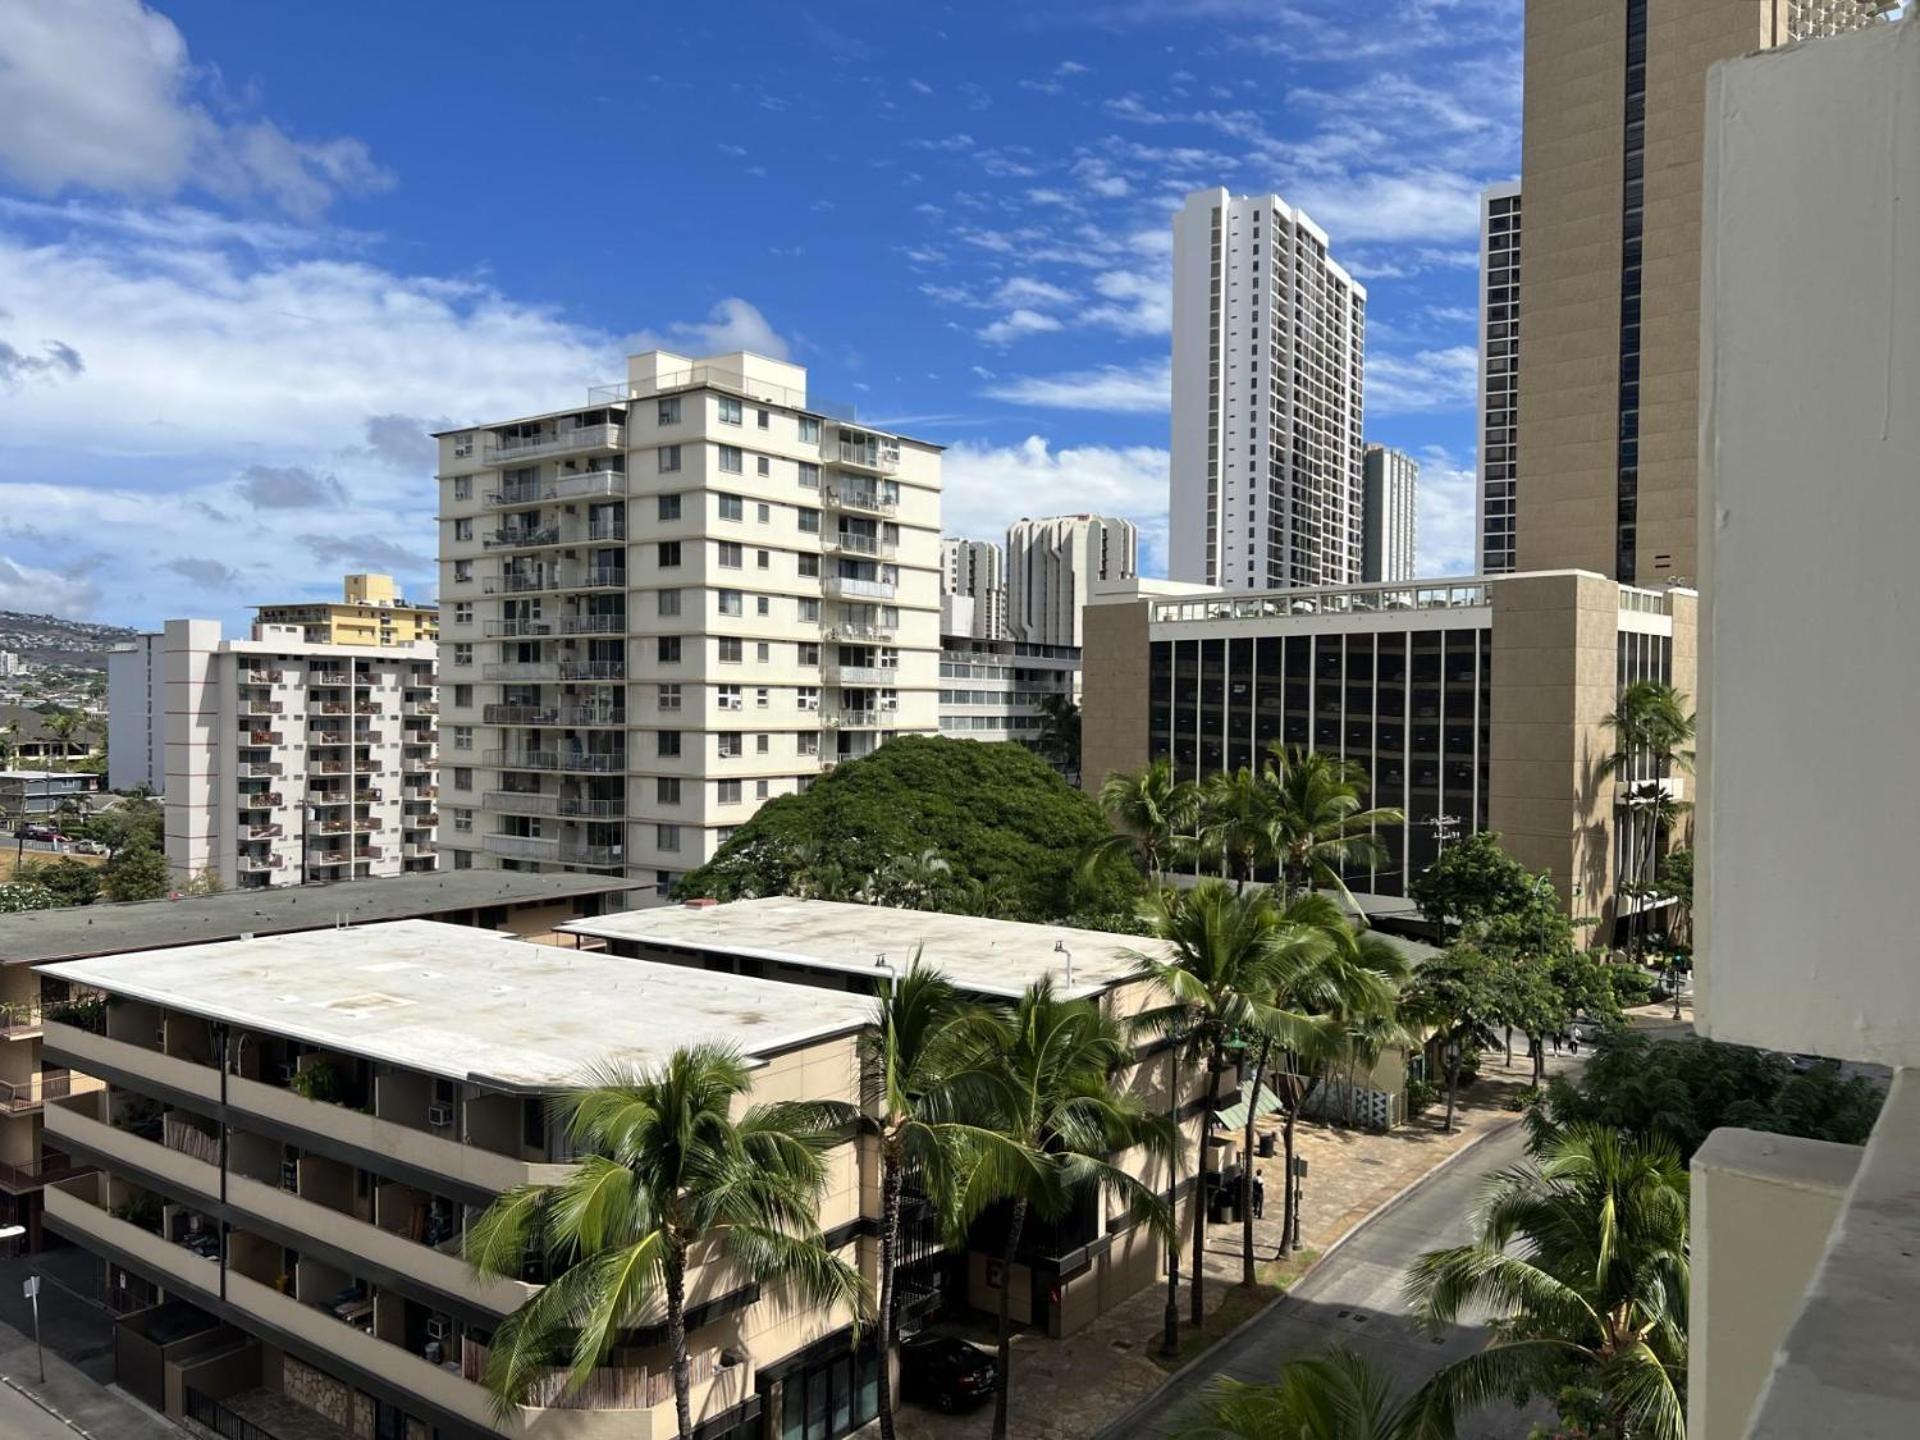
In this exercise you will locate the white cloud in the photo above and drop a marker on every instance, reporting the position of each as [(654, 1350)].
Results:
[(1428, 380), (1025, 290), (44, 592), (1016, 325), (986, 487), (1141, 389), (98, 95), (1139, 304), (1445, 500), (732, 324), (1416, 205)]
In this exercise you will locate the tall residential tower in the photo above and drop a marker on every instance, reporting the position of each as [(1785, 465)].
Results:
[(1391, 505), (973, 589), (1269, 336), (691, 594), (1053, 565), (1499, 448)]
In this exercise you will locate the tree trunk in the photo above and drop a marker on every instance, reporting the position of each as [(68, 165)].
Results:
[(1170, 1325), (1006, 1323), (1453, 1083), (1246, 1169), (676, 1268), (1286, 1185), (1539, 1046), (1202, 1194), (889, 1251), (1509, 1047)]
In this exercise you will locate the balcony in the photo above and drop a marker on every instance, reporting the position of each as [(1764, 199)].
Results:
[(261, 677), (858, 498), (258, 769), (249, 864), (860, 718), (851, 544), (531, 802), (420, 707), (519, 449), (418, 850), (513, 537), (593, 669), (262, 707), (591, 577), (262, 832), (564, 762), (522, 847), (520, 714), (50, 1169), (523, 670), (883, 634), (860, 674), (262, 737), (330, 679), (877, 453), (260, 800), (846, 587), (18, 1097)]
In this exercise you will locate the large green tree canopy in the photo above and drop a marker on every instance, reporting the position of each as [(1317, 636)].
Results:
[(933, 824)]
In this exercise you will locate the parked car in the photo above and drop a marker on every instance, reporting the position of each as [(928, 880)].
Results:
[(944, 1372), (89, 847), (45, 833)]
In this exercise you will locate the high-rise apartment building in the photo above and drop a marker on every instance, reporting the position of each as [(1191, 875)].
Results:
[(1499, 448), (369, 612), (1611, 147), (279, 760), (973, 589), (1269, 339), (1391, 514), (1054, 564), (688, 596)]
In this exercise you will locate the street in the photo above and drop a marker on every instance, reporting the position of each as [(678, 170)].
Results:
[(1354, 1299)]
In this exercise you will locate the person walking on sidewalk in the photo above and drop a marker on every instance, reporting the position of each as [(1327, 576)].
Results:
[(1259, 1193)]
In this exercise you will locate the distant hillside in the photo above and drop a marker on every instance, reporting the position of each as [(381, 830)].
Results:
[(52, 640)]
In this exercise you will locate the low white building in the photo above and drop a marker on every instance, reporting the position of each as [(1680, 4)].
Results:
[(279, 760)]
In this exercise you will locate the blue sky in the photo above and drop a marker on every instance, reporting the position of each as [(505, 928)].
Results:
[(249, 253)]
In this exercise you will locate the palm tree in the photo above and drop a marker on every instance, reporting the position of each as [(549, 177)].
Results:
[(1335, 1396), (1583, 1254), (665, 1167), (1652, 738), (1152, 813), (63, 725), (1227, 956), (1234, 822), (919, 1089), (1058, 742), (1316, 826), (1057, 1115)]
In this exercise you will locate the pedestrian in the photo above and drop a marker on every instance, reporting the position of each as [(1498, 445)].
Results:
[(1573, 1043), (1259, 1193)]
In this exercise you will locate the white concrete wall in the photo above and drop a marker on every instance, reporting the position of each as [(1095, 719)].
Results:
[(136, 736), (1810, 505)]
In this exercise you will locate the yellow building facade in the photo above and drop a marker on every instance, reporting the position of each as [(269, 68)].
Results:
[(370, 612)]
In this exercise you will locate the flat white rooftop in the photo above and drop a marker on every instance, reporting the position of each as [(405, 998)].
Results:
[(467, 1004), (987, 957)]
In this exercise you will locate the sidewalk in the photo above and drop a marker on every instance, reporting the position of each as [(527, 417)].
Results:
[(1070, 1389), (85, 1406)]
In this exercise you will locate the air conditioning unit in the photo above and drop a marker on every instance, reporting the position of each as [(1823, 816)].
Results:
[(440, 1116)]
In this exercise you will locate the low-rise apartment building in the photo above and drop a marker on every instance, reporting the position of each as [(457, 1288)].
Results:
[(39, 794), (528, 905), (695, 593), (1471, 703), (370, 611), (280, 760), (294, 1133), (994, 689)]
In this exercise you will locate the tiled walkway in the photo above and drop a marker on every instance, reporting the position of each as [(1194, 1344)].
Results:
[(1069, 1389)]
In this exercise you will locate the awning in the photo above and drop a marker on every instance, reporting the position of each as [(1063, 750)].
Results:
[(1234, 1116)]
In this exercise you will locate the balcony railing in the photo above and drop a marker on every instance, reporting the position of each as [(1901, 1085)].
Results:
[(262, 707), (592, 577), (565, 762), (846, 585), (867, 718), (852, 632), (418, 849), (861, 544), (861, 674), (20, 1096), (50, 1169), (575, 807), (855, 497), (522, 847), (874, 453), (521, 670), (260, 768), (516, 449), (558, 625), (593, 669), (511, 536), (520, 714), (258, 864), (260, 800)]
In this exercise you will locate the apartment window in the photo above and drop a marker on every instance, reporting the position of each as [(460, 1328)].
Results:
[(807, 742), (463, 487), (730, 412), (762, 606), (463, 612), (763, 744), (669, 507), (669, 554), (729, 649), (732, 460), (666, 837), (732, 555), (667, 743), (462, 696), (731, 507), (732, 745), (663, 883), (667, 697), (762, 697), (463, 654), (462, 572), (762, 466), (669, 458), (729, 792), (809, 653), (763, 559), (763, 652), (809, 521), (809, 430), (807, 697), (667, 649), (463, 821), (761, 789), (666, 790), (724, 833), (462, 778), (729, 697), (810, 570), (762, 419), (669, 411), (730, 602), (463, 860), (810, 475), (764, 512), (463, 529), (463, 737), (669, 601)]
